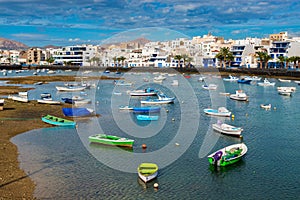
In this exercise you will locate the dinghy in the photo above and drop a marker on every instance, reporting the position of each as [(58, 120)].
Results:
[(147, 171), (227, 129), (111, 140), (228, 155), (50, 119)]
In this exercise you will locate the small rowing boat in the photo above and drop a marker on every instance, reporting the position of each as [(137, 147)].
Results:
[(50, 119)]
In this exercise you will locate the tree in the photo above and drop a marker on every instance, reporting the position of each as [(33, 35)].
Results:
[(266, 59), (189, 60), (114, 59), (293, 59), (50, 60), (260, 57), (281, 61), (122, 59), (178, 57), (224, 56)]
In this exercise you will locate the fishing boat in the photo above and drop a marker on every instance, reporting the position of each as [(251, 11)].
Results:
[(147, 117), (244, 81), (159, 78), (286, 91), (1, 104), (78, 112), (201, 78), (266, 106), (284, 80), (231, 78), (175, 83), (146, 92), (57, 121), (147, 171), (266, 82), (298, 82), (239, 95), (125, 108), (209, 87), (70, 88), (48, 101), (252, 78), (146, 109), (221, 112), (45, 95), (227, 129), (111, 140), (228, 155), (23, 99), (23, 94), (156, 101), (163, 96)]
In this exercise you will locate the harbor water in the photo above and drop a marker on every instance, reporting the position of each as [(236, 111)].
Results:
[(64, 165)]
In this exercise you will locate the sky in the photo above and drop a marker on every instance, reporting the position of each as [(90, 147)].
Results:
[(71, 22)]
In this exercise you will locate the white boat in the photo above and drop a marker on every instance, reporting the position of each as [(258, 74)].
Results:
[(82, 102), (51, 72), (201, 78), (286, 91), (284, 80), (156, 101), (23, 94), (252, 78), (221, 111), (227, 129), (210, 87), (146, 92), (239, 95), (125, 108), (19, 98), (266, 106), (159, 78), (48, 101), (224, 93), (162, 96), (147, 171), (231, 78), (70, 88), (175, 83), (1, 104), (298, 82), (266, 83)]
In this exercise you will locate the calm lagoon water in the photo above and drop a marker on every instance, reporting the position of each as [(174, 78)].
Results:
[(65, 166)]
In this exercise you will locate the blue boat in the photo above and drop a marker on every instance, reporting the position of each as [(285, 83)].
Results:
[(146, 109), (147, 117), (244, 81), (77, 112)]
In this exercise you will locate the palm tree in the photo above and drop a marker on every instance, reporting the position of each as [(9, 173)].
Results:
[(114, 59), (178, 57), (260, 57), (50, 60), (266, 59), (122, 58), (189, 60), (294, 60), (281, 61), (225, 55)]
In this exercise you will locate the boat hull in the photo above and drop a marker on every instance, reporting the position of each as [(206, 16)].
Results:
[(226, 156), (57, 121), (147, 171), (216, 113), (111, 140), (233, 131), (147, 118)]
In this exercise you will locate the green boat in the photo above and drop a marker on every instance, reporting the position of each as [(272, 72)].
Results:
[(228, 155), (111, 140), (147, 171), (50, 119)]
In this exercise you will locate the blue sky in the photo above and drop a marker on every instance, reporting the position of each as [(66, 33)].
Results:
[(64, 22)]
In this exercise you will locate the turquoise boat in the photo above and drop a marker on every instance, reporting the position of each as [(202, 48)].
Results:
[(228, 155), (147, 117), (111, 140), (57, 121)]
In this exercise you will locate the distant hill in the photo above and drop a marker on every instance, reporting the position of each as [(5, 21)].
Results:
[(10, 44)]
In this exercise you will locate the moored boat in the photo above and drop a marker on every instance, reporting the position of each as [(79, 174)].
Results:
[(19, 98), (231, 78), (221, 111), (48, 101), (147, 171), (209, 87), (50, 119), (78, 112), (228, 155), (125, 108), (111, 140), (147, 117), (244, 81), (266, 82), (157, 101), (70, 88), (284, 80), (266, 106), (239, 95), (146, 92), (227, 129), (146, 109)]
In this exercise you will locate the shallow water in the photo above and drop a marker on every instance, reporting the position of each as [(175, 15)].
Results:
[(65, 166)]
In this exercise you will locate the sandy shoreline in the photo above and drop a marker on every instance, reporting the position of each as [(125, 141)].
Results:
[(15, 119)]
